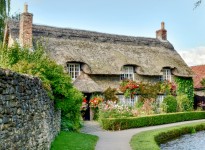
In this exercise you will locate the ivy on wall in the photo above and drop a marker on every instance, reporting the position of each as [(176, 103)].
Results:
[(185, 86)]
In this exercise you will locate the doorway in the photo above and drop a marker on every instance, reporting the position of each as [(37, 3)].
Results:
[(86, 115)]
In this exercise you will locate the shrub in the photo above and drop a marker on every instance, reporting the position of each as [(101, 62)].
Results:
[(134, 122), (183, 103), (151, 139), (110, 94), (185, 86), (147, 106), (171, 103), (165, 136), (54, 79), (111, 109)]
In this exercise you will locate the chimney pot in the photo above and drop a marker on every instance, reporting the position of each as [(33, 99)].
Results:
[(162, 33), (162, 25), (25, 7)]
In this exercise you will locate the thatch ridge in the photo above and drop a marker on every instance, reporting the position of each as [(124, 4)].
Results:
[(107, 53), (69, 33)]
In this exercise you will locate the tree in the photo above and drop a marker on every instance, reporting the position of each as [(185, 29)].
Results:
[(197, 3), (203, 82), (4, 12)]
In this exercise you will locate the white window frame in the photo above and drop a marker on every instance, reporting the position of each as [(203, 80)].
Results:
[(160, 98), (128, 73), (167, 75), (127, 101), (73, 70)]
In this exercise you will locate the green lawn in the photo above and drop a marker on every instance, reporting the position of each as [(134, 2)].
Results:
[(74, 141), (147, 140)]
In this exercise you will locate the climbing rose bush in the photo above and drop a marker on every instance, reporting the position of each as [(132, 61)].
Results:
[(129, 88), (95, 101), (84, 104)]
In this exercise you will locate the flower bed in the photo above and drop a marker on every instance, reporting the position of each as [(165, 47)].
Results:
[(135, 122)]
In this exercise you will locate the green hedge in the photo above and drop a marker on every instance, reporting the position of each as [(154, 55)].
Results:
[(153, 138), (135, 122)]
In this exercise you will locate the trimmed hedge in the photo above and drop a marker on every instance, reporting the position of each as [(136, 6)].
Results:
[(135, 122), (153, 138)]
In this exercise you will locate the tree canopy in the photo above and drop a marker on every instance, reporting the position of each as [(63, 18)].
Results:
[(197, 3), (4, 12)]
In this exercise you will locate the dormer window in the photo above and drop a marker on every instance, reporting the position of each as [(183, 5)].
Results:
[(166, 75), (127, 73), (74, 70)]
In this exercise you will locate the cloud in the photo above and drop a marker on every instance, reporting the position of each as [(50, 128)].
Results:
[(194, 56)]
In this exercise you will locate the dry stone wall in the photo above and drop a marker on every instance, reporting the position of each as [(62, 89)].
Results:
[(27, 116)]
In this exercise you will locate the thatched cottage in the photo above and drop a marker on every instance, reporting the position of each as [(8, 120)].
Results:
[(96, 61)]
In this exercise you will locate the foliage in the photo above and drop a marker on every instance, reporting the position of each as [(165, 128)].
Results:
[(54, 79), (129, 88), (171, 103), (183, 103), (112, 109), (185, 86), (73, 141), (147, 106), (4, 12), (203, 82), (147, 90), (197, 3), (95, 101), (84, 105), (110, 94), (135, 122), (151, 139)]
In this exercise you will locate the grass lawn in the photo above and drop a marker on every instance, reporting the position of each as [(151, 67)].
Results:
[(74, 141), (146, 140)]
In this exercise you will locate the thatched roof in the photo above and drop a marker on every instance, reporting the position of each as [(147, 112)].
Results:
[(199, 74), (107, 53), (86, 85)]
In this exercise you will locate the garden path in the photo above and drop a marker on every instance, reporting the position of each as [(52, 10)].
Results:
[(119, 140)]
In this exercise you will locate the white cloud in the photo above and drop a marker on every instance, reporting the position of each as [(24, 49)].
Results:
[(194, 56)]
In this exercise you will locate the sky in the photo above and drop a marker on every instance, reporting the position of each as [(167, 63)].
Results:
[(185, 25)]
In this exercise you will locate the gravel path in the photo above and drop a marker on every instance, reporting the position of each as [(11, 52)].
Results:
[(119, 140)]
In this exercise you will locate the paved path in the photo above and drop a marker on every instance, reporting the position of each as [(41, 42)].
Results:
[(119, 140)]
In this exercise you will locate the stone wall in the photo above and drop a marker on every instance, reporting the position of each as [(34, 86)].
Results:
[(27, 116)]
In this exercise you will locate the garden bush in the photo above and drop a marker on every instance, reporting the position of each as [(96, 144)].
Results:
[(171, 104), (54, 79), (151, 139), (183, 103), (111, 109), (110, 94), (135, 122)]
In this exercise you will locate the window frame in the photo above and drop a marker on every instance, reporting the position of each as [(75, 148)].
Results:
[(167, 75), (127, 101), (127, 73), (74, 71)]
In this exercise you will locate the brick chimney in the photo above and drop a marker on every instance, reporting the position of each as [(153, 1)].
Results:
[(162, 33), (25, 31)]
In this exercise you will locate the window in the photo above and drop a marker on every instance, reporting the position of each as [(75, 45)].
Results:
[(128, 101), (128, 73), (160, 99), (166, 75), (74, 70)]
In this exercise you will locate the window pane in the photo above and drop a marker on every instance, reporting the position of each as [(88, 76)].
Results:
[(166, 74), (74, 70), (128, 72)]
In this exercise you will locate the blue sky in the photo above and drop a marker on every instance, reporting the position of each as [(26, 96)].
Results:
[(185, 26)]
